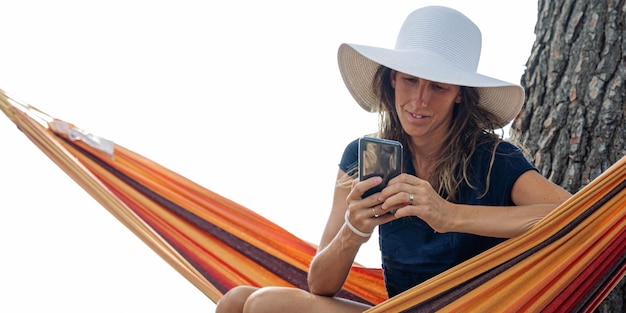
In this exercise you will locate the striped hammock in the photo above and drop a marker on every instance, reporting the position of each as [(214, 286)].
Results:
[(568, 262)]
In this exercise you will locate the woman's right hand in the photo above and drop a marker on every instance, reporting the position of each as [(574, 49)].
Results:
[(365, 214)]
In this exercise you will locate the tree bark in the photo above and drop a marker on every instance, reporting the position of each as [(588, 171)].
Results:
[(573, 123)]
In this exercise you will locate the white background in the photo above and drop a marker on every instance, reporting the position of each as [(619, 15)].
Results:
[(243, 97)]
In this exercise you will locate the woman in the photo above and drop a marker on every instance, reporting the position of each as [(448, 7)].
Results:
[(463, 190)]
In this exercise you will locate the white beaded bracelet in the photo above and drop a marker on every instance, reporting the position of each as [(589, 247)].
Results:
[(353, 229)]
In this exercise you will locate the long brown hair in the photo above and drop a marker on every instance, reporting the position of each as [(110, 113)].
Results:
[(471, 126)]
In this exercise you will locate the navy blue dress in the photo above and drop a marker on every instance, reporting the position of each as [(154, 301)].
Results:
[(411, 250)]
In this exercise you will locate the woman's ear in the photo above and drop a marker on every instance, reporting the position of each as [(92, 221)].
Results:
[(393, 75)]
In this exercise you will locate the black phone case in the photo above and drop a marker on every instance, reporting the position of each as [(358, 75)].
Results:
[(379, 157)]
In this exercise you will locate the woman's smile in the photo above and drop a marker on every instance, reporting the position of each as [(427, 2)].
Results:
[(416, 117)]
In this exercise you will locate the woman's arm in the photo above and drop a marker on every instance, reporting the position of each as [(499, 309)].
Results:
[(339, 245), (534, 197)]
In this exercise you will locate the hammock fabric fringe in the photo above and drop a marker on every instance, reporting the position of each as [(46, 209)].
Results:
[(568, 262)]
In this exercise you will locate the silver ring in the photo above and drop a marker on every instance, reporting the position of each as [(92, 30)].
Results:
[(374, 210), (411, 198)]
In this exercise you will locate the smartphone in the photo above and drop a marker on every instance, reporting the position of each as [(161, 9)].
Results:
[(379, 157)]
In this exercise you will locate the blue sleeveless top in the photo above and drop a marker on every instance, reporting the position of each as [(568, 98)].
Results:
[(411, 250)]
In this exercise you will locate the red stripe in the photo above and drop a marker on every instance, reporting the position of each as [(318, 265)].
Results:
[(583, 286)]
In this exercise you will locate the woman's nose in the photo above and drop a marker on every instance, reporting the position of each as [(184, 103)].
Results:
[(420, 93)]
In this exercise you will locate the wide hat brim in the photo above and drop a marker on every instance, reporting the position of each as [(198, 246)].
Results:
[(359, 63)]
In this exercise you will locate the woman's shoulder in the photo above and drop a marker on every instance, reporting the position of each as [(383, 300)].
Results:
[(350, 157), (507, 156), (504, 150), (503, 147)]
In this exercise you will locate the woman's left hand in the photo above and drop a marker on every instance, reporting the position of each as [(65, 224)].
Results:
[(412, 196)]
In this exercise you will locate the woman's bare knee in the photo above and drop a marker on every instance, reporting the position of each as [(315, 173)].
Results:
[(283, 299), (274, 299), (234, 300)]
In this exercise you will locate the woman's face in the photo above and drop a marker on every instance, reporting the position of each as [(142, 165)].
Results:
[(424, 107)]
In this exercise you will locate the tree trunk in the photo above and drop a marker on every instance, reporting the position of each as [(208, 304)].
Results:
[(573, 122)]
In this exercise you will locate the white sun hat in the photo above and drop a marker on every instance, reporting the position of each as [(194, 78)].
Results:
[(435, 43)]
